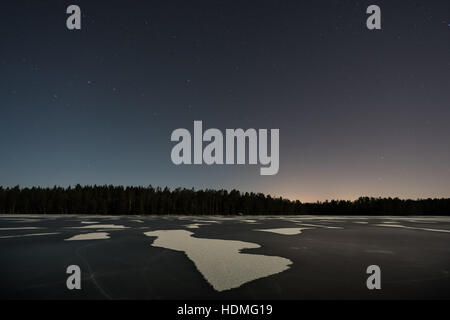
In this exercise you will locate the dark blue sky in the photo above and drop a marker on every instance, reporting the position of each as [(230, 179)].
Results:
[(360, 112)]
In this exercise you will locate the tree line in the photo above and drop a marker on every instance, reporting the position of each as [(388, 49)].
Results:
[(119, 200)]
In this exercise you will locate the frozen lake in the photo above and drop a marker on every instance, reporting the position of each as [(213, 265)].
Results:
[(222, 257)]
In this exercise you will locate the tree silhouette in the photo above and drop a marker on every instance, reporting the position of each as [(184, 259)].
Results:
[(115, 200)]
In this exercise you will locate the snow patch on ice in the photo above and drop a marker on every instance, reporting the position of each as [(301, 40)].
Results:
[(221, 262)]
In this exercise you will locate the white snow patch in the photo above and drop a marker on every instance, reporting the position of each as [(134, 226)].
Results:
[(20, 228), (207, 221), (29, 235), (285, 231), (320, 226), (102, 226), (413, 228), (221, 261), (89, 236), (194, 225)]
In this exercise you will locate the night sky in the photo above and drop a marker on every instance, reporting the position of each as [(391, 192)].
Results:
[(360, 112)]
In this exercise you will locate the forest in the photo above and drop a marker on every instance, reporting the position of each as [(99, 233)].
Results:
[(119, 200)]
